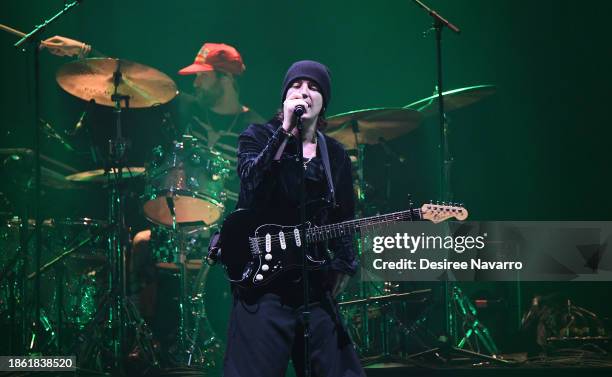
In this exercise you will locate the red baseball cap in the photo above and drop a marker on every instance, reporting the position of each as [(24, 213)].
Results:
[(216, 57)]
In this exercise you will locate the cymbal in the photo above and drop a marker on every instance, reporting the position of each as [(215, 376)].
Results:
[(381, 122), (100, 175), (92, 79), (54, 179), (453, 99), (190, 264)]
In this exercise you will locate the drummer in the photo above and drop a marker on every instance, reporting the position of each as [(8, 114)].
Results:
[(213, 114)]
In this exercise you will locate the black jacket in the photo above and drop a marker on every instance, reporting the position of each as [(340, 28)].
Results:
[(272, 185)]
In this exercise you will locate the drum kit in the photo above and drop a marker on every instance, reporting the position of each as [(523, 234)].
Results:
[(84, 300)]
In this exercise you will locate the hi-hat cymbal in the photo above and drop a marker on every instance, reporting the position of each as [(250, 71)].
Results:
[(101, 175), (373, 124), (92, 79), (453, 99)]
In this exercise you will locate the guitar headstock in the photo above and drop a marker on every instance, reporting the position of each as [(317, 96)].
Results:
[(436, 213)]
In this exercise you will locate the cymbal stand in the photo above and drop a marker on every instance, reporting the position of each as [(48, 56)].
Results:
[(117, 240), (471, 325), (360, 158), (361, 197), (121, 311)]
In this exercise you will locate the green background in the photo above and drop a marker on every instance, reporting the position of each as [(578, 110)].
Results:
[(536, 150)]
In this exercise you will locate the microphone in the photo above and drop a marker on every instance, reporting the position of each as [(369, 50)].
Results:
[(80, 122), (299, 110), (52, 133)]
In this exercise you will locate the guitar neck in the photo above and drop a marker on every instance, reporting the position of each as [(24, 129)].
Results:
[(327, 232)]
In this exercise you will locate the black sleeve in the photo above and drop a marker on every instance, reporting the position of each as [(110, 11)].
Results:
[(256, 150), (343, 248)]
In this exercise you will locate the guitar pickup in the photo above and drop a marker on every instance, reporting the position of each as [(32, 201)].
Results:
[(283, 243), (268, 243), (298, 240)]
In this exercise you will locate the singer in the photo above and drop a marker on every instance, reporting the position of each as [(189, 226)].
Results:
[(265, 327)]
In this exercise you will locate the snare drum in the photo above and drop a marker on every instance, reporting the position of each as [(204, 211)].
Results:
[(187, 180)]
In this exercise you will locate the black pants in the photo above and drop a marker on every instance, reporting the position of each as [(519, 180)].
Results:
[(264, 333)]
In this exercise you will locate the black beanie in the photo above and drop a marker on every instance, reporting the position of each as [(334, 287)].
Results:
[(308, 69)]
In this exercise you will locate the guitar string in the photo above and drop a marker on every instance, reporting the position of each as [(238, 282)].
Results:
[(353, 224), (356, 224)]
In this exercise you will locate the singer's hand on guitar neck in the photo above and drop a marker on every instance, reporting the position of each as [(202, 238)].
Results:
[(289, 121)]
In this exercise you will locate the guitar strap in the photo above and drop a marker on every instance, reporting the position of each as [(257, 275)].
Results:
[(325, 158)]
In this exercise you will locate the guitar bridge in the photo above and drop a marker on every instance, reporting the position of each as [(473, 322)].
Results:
[(254, 246)]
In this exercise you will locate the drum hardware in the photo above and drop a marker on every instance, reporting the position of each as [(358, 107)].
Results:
[(181, 257), (185, 345), (196, 341), (555, 323), (34, 42), (51, 133), (472, 327), (352, 118), (387, 298), (374, 316), (18, 166), (70, 251), (68, 286), (116, 310)]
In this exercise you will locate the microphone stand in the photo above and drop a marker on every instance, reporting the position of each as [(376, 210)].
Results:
[(304, 246), (439, 23), (448, 337), (33, 39), (446, 160)]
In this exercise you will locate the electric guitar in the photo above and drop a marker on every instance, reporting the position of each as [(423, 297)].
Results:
[(256, 247)]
